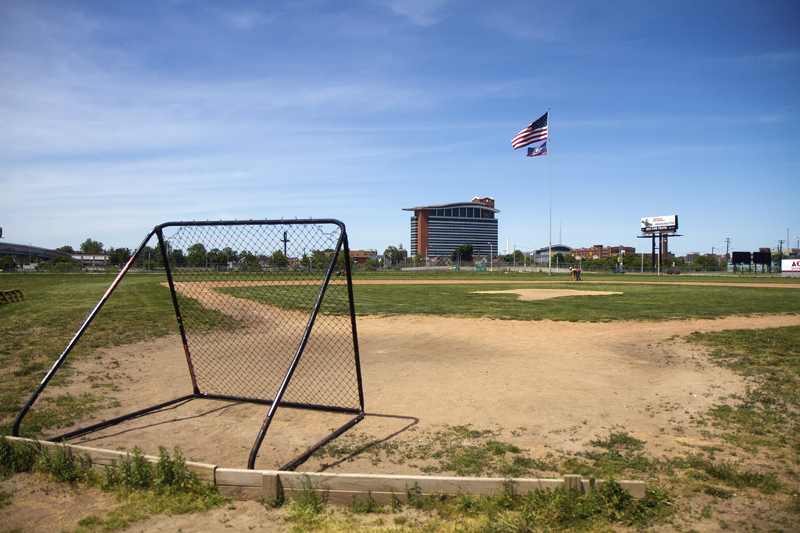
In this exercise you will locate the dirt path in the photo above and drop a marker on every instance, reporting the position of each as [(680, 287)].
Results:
[(553, 384)]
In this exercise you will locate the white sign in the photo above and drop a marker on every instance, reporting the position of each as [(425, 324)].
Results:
[(653, 224), (790, 267)]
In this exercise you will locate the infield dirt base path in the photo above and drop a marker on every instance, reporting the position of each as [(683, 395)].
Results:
[(541, 385)]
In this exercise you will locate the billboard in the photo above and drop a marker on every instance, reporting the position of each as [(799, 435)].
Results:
[(790, 267), (660, 224), (741, 258), (762, 258)]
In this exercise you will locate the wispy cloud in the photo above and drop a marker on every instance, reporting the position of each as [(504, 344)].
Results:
[(421, 12), (246, 19), (781, 57)]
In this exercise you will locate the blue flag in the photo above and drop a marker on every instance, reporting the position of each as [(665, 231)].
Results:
[(533, 151)]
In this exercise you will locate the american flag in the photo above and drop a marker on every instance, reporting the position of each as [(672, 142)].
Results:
[(537, 131)]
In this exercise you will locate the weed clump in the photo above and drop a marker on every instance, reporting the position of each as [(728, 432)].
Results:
[(164, 487)]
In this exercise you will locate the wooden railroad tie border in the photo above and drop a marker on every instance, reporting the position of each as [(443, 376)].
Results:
[(344, 489), (11, 296), (101, 458)]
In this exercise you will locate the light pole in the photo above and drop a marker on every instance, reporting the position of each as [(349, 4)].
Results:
[(529, 256), (490, 257)]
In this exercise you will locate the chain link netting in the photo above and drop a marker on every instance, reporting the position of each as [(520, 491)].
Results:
[(246, 293)]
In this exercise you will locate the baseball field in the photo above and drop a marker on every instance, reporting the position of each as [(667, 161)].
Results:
[(688, 384)]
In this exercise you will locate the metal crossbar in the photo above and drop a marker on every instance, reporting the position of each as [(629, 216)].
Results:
[(265, 312)]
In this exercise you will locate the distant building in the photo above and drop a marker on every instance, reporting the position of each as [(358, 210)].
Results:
[(403, 253), (691, 257), (90, 259), (361, 256), (598, 251), (542, 254), (437, 230)]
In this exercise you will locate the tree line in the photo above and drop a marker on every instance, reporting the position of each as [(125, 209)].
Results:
[(196, 255)]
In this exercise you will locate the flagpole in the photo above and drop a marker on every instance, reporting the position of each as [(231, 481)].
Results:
[(550, 192)]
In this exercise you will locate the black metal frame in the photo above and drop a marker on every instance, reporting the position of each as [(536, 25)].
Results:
[(342, 247), (663, 237)]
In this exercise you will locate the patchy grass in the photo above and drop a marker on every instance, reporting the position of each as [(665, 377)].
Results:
[(451, 450), (143, 488), (768, 417), (557, 510), (35, 332)]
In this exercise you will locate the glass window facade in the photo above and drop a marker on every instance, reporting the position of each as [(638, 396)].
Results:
[(449, 228)]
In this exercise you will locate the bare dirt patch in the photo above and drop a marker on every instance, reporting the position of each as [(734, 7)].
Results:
[(554, 384)]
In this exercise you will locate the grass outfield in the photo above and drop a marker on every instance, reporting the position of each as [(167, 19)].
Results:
[(631, 276), (637, 301)]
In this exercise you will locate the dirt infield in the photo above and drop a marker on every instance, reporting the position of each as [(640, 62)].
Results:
[(547, 387), (541, 385), (554, 384)]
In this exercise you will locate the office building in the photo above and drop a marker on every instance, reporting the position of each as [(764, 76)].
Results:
[(437, 230)]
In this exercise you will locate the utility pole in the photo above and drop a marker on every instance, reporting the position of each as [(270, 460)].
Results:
[(727, 247), (285, 240)]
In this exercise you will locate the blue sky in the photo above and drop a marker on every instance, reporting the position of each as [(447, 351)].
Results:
[(118, 116)]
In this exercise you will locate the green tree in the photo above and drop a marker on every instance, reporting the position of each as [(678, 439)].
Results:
[(704, 262), (7, 263), (634, 261), (196, 255), (150, 257), (394, 255), (597, 263), (777, 260), (91, 247), (370, 265), (340, 262), (177, 257), (230, 255), (60, 264), (462, 253), (220, 258), (278, 260), (66, 249), (119, 256), (570, 259), (517, 257), (249, 262), (320, 259)]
